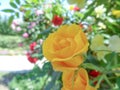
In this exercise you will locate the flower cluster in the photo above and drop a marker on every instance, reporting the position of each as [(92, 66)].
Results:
[(32, 50), (64, 49)]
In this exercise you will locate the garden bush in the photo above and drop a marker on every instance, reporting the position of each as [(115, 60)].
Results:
[(10, 42), (4, 27)]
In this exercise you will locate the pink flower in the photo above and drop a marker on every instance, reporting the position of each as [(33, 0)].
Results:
[(32, 24), (15, 22), (39, 12), (25, 35), (18, 29)]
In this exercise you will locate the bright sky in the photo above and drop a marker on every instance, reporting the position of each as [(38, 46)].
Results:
[(3, 5)]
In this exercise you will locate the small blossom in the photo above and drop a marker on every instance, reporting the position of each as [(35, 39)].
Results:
[(31, 59), (18, 29), (15, 22), (94, 73), (57, 20), (25, 35), (101, 25), (100, 10), (32, 46), (39, 12), (76, 8), (33, 24)]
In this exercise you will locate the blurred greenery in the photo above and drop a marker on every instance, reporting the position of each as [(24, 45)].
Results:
[(37, 79), (8, 41), (5, 28)]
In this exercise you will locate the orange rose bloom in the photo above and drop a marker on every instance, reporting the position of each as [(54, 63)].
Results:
[(64, 48), (76, 81)]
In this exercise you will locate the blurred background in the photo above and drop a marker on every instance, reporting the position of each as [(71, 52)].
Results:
[(25, 24)]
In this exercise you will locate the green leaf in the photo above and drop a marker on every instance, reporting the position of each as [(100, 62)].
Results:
[(8, 10), (18, 2), (99, 2), (49, 16), (27, 13), (12, 4), (118, 82), (88, 13), (91, 66), (17, 14), (10, 20)]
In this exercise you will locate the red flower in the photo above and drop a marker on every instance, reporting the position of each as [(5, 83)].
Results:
[(94, 73), (32, 46), (76, 8), (31, 59), (57, 20)]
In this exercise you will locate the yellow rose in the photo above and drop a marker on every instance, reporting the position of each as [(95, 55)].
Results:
[(116, 13), (64, 48), (76, 81)]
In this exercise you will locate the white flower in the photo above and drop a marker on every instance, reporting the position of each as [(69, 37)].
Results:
[(100, 10), (101, 25)]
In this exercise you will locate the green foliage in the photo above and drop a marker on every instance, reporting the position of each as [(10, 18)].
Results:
[(13, 4), (8, 10), (10, 19), (37, 79), (11, 42), (18, 2), (5, 28)]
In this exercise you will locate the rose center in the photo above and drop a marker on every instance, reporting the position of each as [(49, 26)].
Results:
[(64, 43), (61, 43)]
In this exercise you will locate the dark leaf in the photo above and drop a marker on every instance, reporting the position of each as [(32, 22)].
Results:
[(12, 4), (17, 14), (118, 82), (18, 2), (10, 20), (8, 10)]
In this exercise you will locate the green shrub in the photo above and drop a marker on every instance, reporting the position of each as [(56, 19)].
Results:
[(8, 41), (5, 28)]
